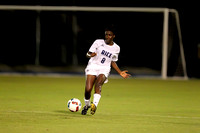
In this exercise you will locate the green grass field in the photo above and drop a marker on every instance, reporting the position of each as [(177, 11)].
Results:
[(36, 104)]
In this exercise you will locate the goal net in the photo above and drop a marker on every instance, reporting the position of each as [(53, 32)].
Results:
[(150, 38)]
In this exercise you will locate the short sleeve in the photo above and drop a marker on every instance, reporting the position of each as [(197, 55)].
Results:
[(115, 55), (94, 46)]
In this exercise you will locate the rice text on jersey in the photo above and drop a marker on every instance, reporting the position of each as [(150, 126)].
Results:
[(103, 52)]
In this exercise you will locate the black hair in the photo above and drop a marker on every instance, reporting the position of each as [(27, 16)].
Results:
[(111, 28)]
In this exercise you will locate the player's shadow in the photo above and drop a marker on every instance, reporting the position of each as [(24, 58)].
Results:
[(69, 113)]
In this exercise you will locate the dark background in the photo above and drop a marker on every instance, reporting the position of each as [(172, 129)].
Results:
[(18, 44)]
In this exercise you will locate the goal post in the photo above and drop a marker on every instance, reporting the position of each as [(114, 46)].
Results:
[(165, 43), (183, 61), (165, 12)]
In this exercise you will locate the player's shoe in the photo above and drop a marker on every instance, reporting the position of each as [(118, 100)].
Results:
[(85, 109), (93, 109)]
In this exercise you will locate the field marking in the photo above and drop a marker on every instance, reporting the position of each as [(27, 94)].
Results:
[(161, 116), (168, 116), (25, 111), (143, 115)]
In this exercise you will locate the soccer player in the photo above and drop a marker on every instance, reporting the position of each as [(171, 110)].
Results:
[(103, 54)]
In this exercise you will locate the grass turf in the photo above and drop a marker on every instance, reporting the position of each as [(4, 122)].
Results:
[(34, 104)]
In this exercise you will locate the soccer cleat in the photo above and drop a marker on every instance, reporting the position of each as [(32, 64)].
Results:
[(93, 109), (85, 109)]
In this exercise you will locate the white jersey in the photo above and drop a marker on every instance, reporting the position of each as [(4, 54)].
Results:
[(105, 54)]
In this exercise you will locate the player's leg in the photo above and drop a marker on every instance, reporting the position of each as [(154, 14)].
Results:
[(90, 80), (97, 95)]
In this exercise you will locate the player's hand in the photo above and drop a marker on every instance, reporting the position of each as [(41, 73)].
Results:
[(90, 54), (93, 54), (124, 74)]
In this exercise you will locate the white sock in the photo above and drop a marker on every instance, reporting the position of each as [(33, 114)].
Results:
[(87, 102), (96, 99)]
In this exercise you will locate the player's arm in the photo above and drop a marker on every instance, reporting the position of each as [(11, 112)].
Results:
[(124, 73), (90, 54)]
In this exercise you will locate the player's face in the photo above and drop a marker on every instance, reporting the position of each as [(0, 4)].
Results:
[(109, 36)]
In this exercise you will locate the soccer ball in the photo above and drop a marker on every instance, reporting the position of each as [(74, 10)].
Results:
[(74, 105)]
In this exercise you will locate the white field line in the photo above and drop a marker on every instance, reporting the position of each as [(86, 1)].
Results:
[(142, 115), (167, 116), (24, 111)]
